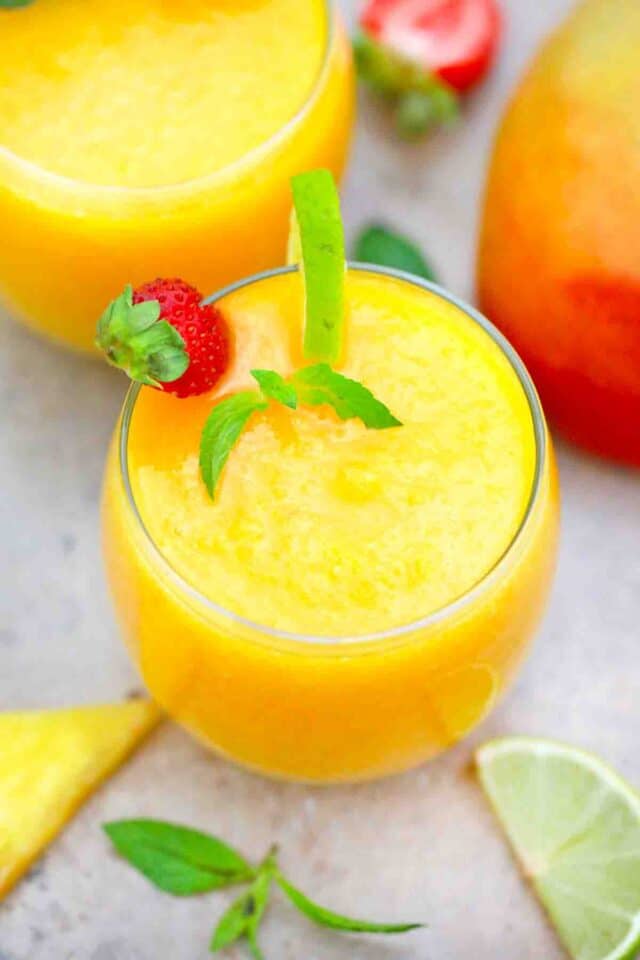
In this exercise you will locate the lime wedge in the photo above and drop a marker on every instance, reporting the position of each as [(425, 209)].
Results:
[(294, 247), (575, 828), (318, 242)]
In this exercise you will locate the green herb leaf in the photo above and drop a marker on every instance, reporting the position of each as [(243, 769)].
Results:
[(276, 387), (15, 3), (177, 859), (327, 918), (221, 431), (321, 235), (233, 923), (379, 245), (320, 384), (243, 917)]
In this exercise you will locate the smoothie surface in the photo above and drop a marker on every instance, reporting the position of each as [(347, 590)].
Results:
[(151, 92), (324, 527)]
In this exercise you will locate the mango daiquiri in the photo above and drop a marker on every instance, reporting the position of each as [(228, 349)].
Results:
[(143, 137), (335, 575)]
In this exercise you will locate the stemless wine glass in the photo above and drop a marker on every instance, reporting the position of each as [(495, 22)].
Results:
[(321, 708), (70, 246)]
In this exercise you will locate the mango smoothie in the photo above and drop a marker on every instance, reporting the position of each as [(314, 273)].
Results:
[(352, 601), (146, 137)]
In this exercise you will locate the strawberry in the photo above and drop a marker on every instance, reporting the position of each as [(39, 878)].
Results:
[(162, 335), (424, 53)]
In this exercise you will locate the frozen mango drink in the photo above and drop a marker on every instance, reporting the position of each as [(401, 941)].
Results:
[(329, 511), (146, 137)]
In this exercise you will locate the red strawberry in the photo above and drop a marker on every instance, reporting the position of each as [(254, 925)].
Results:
[(162, 335), (423, 53), (454, 39)]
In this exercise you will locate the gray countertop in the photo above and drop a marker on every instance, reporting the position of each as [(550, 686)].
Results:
[(422, 845)]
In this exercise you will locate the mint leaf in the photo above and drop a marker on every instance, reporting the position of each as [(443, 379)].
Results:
[(177, 859), (243, 917), (327, 918), (221, 431), (379, 245), (320, 384), (276, 387), (321, 234)]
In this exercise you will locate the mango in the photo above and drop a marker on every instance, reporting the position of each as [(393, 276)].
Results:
[(50, 761), (559, 251)]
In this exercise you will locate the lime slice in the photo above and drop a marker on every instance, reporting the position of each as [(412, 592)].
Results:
[(575, 828), (294, 247), (318, 242)]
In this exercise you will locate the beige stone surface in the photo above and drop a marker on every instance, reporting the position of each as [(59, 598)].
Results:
[(418, 846)]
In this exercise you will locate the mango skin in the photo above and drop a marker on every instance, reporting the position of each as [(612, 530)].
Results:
[(559, 253)]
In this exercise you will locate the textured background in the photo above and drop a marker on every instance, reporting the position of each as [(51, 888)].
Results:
[(418, 846)]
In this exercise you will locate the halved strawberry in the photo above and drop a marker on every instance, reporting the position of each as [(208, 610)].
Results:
[(423, 53)]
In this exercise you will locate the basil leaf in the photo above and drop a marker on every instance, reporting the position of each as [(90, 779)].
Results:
[(320, 384), (378, 245), (276, 387), (327, 918), (221, 431), (177, 859)]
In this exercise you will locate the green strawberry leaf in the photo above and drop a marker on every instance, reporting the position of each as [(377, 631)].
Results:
[(177, 859), (221, 431), (336, 921), (320, 384), (275, 387), (134, 339), (379, 245), (321, 236), (422, 99)]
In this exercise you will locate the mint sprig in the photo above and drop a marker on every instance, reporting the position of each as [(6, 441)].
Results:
[(184, 862), (315, 386)]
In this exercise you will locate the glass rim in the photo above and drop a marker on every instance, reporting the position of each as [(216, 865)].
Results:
[(36, 171), (267, 634)]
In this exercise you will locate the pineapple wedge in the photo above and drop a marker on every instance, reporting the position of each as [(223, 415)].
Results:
[(50, 761)]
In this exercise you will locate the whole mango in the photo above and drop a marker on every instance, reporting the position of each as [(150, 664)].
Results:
[(559, 257)]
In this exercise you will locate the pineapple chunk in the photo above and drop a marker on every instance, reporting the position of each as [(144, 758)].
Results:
[(50, 761)]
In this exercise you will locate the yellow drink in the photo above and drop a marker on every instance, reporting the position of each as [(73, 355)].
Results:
[(352, 601), (141, 138)]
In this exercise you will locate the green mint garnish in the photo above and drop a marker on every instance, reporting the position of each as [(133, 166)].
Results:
[(320, 384), (182, 862), (133, 338), (317, 209), (276, 387), (177, 859), (321, 242), (386, 248), (421, 100), (224, 425)]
